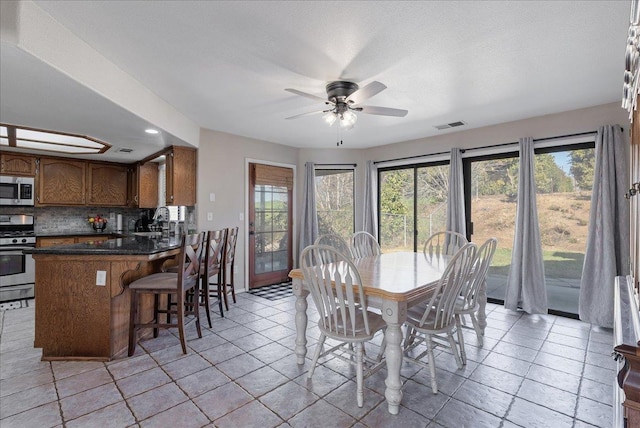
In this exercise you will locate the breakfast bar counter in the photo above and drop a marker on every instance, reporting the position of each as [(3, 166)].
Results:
[(82, 309)]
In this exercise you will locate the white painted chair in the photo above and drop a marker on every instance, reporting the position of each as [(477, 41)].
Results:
[(443, 243), (335, 241), (342, 309), (426, 322), (364, 244), (467, 302)]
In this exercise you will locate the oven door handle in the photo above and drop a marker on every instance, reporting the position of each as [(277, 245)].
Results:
[(14, 248)]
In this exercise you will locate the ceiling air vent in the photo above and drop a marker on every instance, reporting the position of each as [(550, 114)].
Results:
[(124, 150), (450, 125)]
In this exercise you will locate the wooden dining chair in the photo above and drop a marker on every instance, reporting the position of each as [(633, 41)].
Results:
[(428, 321), (336, 287), (467, 301), (211, 270), (335, 241), (444, 243), (364, 244), (181, 285)]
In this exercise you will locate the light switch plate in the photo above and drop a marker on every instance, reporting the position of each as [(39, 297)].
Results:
[(101, 277), (209, 216), (241, 216), (212, 197)]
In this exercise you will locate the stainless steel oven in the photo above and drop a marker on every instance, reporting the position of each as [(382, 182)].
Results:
[(17, 191), (17, 269)]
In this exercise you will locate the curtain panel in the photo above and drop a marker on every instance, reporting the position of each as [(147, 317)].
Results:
[(309, 215), (370, 221), (526, 286), (456, 220), (607, 254)]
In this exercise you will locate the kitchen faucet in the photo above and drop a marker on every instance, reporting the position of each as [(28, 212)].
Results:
[(160, 218)]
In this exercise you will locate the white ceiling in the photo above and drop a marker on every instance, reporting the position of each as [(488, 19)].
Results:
[(225, 65)]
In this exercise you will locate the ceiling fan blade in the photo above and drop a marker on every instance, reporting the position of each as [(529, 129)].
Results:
[(304, 94), (366, 92), (382, 111), (310, 113)]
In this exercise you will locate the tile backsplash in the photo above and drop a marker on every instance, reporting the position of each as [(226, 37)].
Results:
[(74, 219)]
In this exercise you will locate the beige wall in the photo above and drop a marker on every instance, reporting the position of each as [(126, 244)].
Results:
[(227, 178), (221, 170)]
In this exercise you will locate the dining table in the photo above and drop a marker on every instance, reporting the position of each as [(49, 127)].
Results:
[(392, 282)]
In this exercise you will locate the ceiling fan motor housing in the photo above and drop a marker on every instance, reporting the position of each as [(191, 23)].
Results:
[(339, 90)]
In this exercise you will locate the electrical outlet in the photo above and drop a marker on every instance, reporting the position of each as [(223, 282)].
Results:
[(209, 216), (241, 216), (212, 197), (101, 278), (235, 269)]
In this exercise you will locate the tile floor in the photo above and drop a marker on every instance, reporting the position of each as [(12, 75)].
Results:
[(534, 371)]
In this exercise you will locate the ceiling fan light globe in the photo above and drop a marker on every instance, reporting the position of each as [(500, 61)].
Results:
[(348, 119), (329, 118)]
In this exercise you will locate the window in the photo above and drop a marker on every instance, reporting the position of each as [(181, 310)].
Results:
[(334, 202)]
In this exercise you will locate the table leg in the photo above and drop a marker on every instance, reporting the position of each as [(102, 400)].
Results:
[(301, 294), (394, 314)]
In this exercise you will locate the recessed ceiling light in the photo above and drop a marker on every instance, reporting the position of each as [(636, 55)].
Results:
[(151, 131)]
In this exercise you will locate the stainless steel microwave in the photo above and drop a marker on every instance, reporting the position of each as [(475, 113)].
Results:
[(17, 191)]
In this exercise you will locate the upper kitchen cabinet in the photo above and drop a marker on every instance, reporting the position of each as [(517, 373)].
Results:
[(143, 185), (61, 182), (180, 180), (17, 164), (106, 184)]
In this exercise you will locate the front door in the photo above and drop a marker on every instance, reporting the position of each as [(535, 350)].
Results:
[(270, 224)]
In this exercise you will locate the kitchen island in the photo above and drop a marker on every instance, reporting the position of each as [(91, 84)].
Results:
[(82, 298)]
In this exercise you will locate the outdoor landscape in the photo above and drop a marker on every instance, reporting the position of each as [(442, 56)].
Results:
[(563, 184)]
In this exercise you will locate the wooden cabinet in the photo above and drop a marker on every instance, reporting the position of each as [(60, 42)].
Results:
[(61, 182), (143, 185), (106, 184), (17, 164), (52, 241), (55, 241), (181, 164), (72, 182)]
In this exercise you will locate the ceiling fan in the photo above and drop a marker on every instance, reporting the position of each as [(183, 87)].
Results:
[(344, 98)]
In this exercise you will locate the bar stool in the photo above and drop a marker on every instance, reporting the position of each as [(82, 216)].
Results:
[(183, 285), (228, 266), (212, 267)]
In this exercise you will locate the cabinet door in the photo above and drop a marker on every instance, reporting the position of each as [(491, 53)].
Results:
[(16, 164), (107, 185), (147, 185), (61, 182), (181, 176)]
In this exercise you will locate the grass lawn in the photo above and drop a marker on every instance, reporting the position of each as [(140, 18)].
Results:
[(557, 264)]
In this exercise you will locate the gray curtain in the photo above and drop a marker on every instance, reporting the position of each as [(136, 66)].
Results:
[(456, 221), (370, 221), (309, 218), (525, 284), (607, 254)]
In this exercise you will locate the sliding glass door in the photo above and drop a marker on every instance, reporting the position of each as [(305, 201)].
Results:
[(492, 186), (563, 185), (413, 205)]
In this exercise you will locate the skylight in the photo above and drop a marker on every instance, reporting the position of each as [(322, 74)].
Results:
[(37, 139)]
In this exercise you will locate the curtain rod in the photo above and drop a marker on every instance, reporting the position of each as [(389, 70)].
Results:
[(579, 134), (336, 164)]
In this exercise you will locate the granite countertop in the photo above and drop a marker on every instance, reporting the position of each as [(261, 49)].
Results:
[(130, 245)]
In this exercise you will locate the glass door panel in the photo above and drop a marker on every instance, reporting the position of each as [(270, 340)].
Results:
[(432, 190), (494, 186), (563, 183), (397, 201)]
